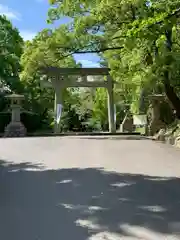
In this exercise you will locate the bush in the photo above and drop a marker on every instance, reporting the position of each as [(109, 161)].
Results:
[(32, 122), (5, 119)]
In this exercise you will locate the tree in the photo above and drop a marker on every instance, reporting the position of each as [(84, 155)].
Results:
[(11, 47), (139, 40), (43, 51)]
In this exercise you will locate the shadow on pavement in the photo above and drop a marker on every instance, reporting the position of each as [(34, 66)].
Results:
[(79, 204)]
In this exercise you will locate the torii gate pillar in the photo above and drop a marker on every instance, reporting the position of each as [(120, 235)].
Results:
[(112, 124)]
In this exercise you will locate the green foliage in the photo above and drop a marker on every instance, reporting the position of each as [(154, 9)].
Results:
[(138, 40), (132, 36), (100, 108), (11, 47), (42, 51)]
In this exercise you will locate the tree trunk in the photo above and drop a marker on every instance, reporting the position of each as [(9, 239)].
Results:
[(171, 95), (169, 90)]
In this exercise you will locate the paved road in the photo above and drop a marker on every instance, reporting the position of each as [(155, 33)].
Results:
[(80, 188)]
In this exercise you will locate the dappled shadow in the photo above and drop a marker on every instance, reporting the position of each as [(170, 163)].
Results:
[(42, 204)]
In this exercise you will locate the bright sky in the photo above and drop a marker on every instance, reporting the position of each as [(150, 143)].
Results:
[(29, 16)]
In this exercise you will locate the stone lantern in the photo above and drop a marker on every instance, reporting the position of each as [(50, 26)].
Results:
[(15, 128)]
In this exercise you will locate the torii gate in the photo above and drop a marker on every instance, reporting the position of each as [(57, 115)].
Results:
[(59, 81)]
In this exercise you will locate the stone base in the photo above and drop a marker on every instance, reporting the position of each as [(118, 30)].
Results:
[(15, 129), (127, 126), (156, 126), (160, 136)]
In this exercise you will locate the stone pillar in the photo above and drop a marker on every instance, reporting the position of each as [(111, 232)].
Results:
[(16, 113), (112, 127)]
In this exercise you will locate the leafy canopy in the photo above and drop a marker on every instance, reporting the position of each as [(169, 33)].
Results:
[(11, 47)]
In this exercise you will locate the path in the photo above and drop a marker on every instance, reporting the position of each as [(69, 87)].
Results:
[(74, 188)]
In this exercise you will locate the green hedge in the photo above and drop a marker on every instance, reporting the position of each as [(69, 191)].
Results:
[(5, 118), (32, 122)]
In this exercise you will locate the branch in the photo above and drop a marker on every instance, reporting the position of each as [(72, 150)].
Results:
[(101, 50), (167, 17), (173, 14), (176, 43), (176, 12), (98, 50), (88, 51)]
